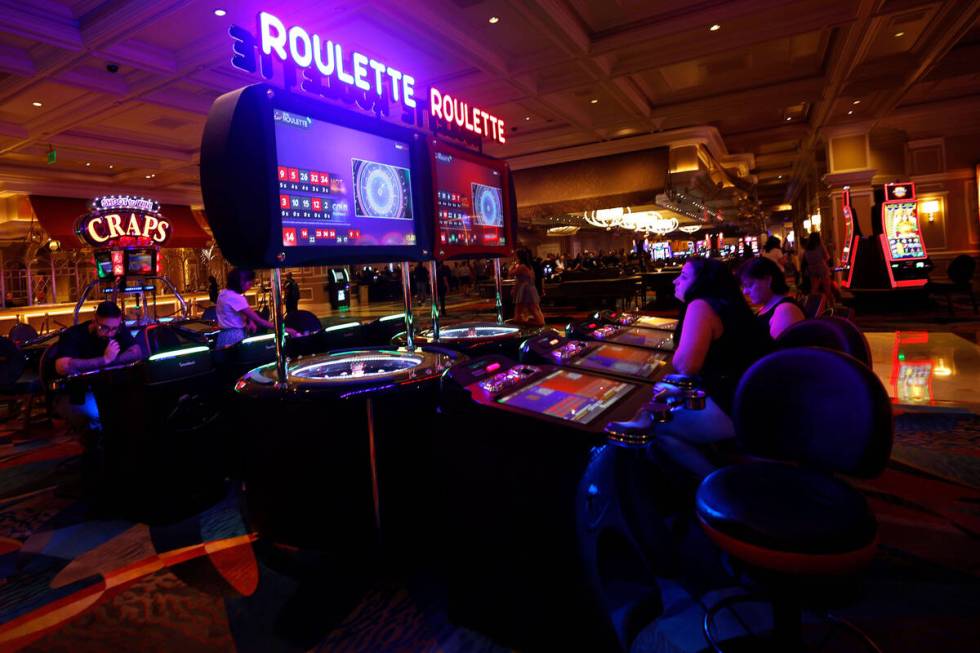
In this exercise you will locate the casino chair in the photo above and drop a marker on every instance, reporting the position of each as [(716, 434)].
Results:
[(18, 382), (159, 337), (22, 332), (311, 339), (210, 314), (834, 333), (380, 332), (785, 519), (960, 272)]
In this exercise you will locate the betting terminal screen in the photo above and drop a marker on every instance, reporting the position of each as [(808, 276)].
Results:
[(341, 186), (469, 202), (642, 337), (902, 225), (653, 322), (616, 359), (569, 396)]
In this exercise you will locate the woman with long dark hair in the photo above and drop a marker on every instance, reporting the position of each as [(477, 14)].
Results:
[(717, 337), (765, 284)]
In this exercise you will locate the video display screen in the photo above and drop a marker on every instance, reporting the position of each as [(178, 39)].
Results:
[(341, 186), (616, 359), (652, 322), (469, 202), (661, 251), (649, 338), (569, 396), (103, 265), (140, 262), (902, 223)]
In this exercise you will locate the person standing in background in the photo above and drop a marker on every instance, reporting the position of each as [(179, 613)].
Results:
[(212, 289), (291, 294)]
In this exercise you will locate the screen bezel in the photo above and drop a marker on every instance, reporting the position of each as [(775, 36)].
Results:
[(153, 262), (240, 183), (448, 252)]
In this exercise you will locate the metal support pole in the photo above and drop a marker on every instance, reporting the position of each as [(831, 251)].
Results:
[(409, 318), (54, 280), (3, 281), (30, 286), (277, 321), (433, 281), (499, 282)]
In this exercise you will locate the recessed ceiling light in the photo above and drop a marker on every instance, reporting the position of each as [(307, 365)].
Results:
[(493, 20), (527, 117), (856, 102), (594, 100), (715, 27), (147, 176), (899, 35), (111, 166), (37, 104), (780, 176), (850, 112), (88, 164), (788, 118), (220, 12)]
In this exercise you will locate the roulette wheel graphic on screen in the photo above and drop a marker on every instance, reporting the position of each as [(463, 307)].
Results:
[(488, 205), (380, 190)]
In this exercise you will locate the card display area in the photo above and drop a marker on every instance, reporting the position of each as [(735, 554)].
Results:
[(341, 186), (902, 223), (569, 396), (469, 203), (616, 359)]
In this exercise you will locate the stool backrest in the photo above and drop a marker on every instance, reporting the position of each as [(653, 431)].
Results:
[(22, 332), (210, 314), (834, 333), (303, 321), (817, 407), (961, 269), (12, 362)]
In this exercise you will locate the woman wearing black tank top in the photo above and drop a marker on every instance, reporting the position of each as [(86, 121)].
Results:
[(766, 286), (717, 338)]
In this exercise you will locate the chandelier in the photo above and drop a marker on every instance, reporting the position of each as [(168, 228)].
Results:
[(606, 218), (649, 222), (691, 228)]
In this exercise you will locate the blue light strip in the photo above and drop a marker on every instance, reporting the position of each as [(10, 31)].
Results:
[(345, 325), (163, 355)]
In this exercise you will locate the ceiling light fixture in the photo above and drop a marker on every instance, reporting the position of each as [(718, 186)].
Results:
[(147, 176), (594, 100), (88, 164), (527, 117), (856, 102), (851, 112), (37, 104), (899, 35), (780, 177), (715, 27), (111, 166), (220, 12), (493, 20), (788, 118)]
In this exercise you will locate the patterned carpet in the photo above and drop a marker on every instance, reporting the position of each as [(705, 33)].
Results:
[(78, 577)]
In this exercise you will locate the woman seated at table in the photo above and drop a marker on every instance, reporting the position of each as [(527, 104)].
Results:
[(717, 339), (765, 284)]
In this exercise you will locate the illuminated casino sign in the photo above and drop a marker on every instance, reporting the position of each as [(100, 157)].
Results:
[(320, 66), (122, 219)]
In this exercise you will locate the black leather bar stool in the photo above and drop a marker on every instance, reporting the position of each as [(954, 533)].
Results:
[(788, 521)]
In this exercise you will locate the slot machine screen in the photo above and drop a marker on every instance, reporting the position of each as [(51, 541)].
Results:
[(902, 224), (616, 359), (341, 186), (662, 251), (569, 396), (141, 262), (471, 203), (103, 265)]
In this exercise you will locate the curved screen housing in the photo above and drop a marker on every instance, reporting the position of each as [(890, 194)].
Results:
[(291, 181), (474, 203)]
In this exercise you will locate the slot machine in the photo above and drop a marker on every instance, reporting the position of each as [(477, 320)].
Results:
[(906, 259), (851, 240)]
